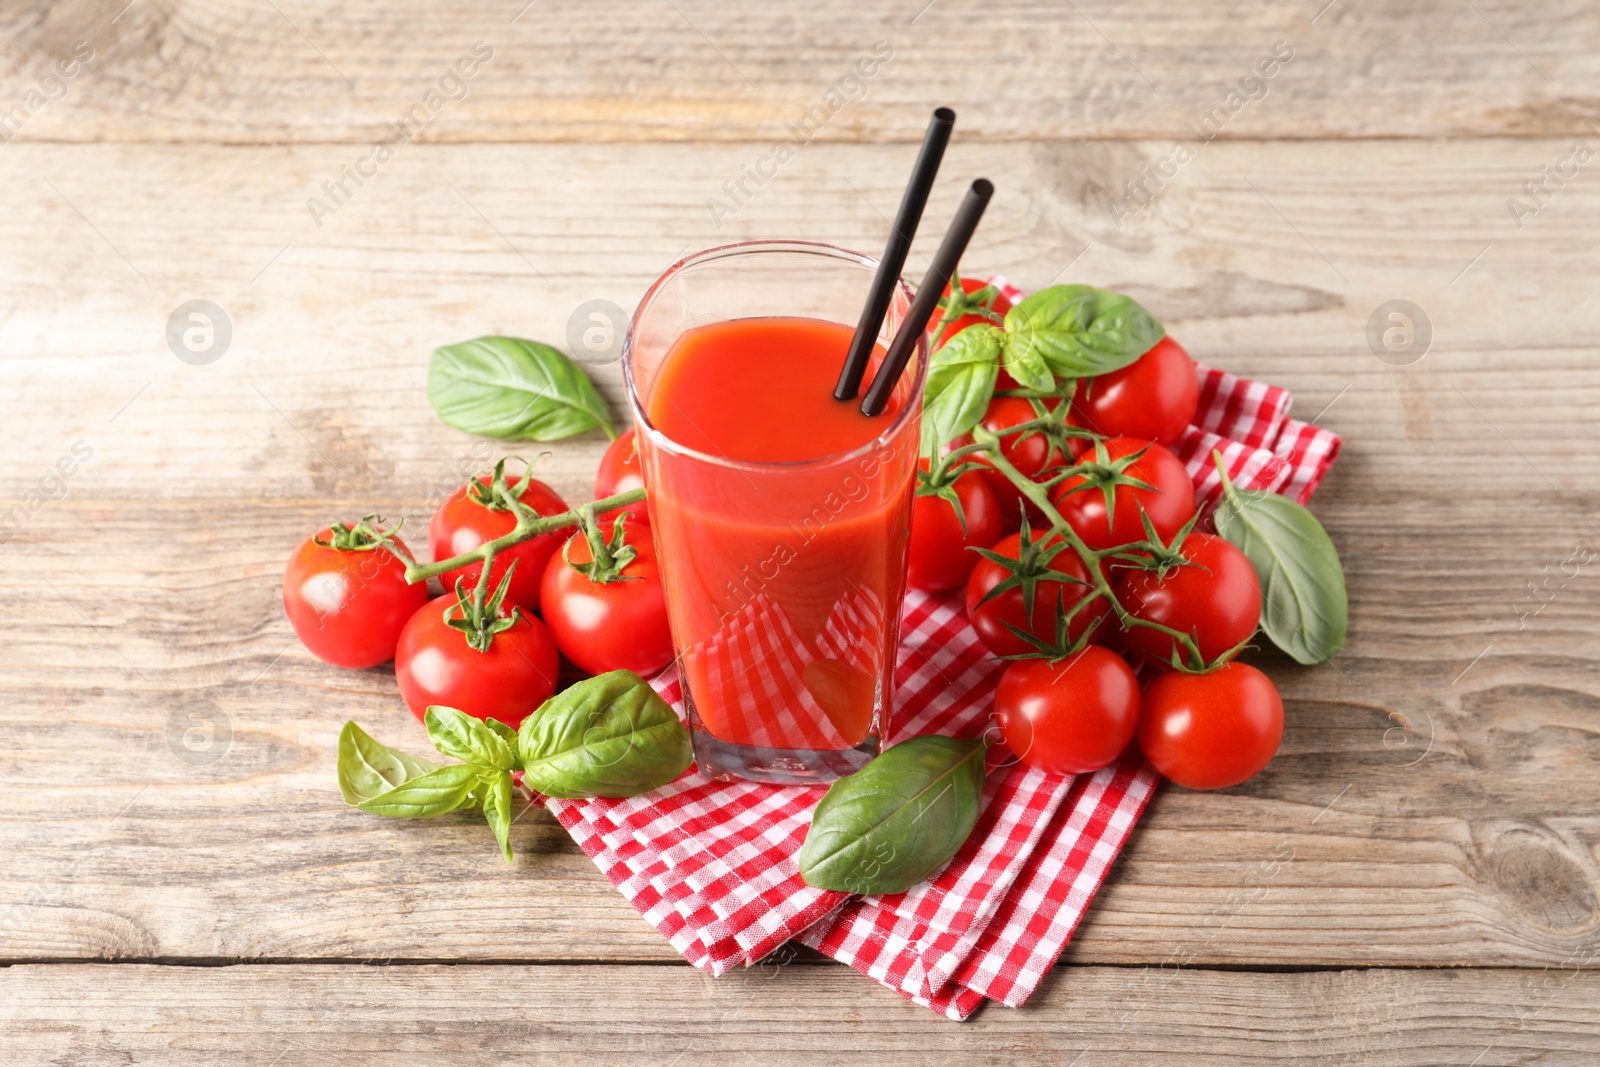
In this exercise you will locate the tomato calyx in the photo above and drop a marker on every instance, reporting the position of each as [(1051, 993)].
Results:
[(958, 304), (1191, 662), (361, 536), (1154, 554), (1048, 422), (942, 474), (1063, 645), (1031, 567), (1105, 474), (497, 494), (608, 557), (481, 617)]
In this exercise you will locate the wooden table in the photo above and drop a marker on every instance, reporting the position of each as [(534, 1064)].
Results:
[(1414, 880)]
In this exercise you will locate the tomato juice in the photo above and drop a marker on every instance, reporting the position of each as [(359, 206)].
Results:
[(781, 517)]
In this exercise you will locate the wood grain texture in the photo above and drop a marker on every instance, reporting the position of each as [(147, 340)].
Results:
[(286, 1016), (688, 70), (1267, 259), (1434, 803)]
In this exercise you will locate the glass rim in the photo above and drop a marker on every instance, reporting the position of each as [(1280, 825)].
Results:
[(821, 249)]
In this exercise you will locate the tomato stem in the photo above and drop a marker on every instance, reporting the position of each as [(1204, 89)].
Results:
[(959, 303), (480, 617), (495, 492), (1038, 495), (943, 470), (530, 524), (361, 536), (607, 559)]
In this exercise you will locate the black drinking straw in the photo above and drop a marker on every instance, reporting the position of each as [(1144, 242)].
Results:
[(922, 308), (894, 253)]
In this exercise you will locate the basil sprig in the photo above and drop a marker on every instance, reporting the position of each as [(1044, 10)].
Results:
[(896, 821), (608, 736), (1065, 331), (1304, 607), (510, 388)]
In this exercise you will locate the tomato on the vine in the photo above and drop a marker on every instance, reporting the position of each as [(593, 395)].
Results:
[(999, 305), (1169, 502), (615, 624), (1216, 600), (464, 521), (435, 664), (940, 554), (348, 605), (1211, 731), (1070, 585), (1031, 452), (1154, 397), (619, 472), (1068, 717)]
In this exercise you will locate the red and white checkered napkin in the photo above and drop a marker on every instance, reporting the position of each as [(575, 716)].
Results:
[(712, 865)]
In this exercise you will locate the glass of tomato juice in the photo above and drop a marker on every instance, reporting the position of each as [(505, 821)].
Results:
[(781, 516)]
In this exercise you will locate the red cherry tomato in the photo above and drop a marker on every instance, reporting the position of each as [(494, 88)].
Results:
[(940, 549), (349, 606), (990, 618), (1071, 716), (1153, 397), (435, 665), (1000, 305), (1169, 502), (1031, 453), (620, 472), (609, 626), (1217, 602), (462, 524), (1211, 731)]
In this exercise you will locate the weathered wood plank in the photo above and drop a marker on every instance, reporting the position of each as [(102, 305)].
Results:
[(152, 590), (1267, 259), (251, 1015), (1460, 820), (166, 71)]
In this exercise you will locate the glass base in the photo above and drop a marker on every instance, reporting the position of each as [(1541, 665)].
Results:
[(727, 762)]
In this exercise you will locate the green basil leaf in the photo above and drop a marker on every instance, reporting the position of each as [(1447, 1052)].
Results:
[(960, 382), (511, 388), (367, 768), (1078, 330), (467, 739), (1027, 366), (438, 792), (607, 736), (896, 821), (1304, 606), (507, 734), (497, 809)]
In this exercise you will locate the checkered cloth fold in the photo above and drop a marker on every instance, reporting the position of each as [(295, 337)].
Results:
[(712, 865)]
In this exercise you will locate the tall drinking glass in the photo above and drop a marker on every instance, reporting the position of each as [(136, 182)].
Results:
[(784, 577)]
